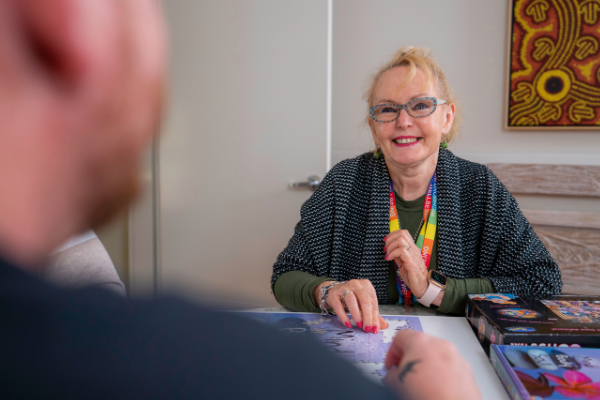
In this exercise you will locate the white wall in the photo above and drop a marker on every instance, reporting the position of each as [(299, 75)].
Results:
[(469, 38), (246, 115)]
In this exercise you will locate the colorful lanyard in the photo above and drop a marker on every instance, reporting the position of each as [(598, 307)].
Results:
[(426, 234)]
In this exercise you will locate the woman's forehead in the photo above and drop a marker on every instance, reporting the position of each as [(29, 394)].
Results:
[(396, 85)]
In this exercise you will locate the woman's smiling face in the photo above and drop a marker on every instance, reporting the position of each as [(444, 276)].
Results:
[(409, 141)]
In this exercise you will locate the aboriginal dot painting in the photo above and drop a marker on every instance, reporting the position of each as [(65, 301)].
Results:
[(554, 64)]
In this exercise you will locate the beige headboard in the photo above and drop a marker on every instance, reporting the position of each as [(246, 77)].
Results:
[(572, 237)]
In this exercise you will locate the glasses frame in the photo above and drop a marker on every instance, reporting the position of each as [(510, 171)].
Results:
[(405, 107)]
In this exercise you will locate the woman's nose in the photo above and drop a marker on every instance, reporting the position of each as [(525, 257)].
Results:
[(404, 120)]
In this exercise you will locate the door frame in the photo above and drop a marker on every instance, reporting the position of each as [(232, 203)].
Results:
[(144, 230)]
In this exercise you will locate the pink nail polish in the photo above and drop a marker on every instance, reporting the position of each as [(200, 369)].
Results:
[(384, 248), (375, 329), (368, 329), (348, 324), (385, 257), (385, 238), (359, 324)]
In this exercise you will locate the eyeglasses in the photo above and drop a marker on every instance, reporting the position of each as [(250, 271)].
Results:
[(417, 108)]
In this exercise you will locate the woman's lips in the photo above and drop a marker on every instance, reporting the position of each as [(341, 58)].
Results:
[(406, 141)]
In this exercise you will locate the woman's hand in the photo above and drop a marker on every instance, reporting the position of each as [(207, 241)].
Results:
[(400, 247), (360, 299)]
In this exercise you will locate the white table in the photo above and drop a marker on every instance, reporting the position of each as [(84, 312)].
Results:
[(455, 330), (458, 331)]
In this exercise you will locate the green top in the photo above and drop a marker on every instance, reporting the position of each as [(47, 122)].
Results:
[(294, 289)]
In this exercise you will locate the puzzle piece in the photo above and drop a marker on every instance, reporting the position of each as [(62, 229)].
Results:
[(397, 324), (315, 322)]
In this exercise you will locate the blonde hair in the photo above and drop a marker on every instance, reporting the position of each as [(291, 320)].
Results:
[(413, 58)]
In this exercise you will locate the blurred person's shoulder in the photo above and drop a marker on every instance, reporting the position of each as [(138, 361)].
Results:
[(87, 343)]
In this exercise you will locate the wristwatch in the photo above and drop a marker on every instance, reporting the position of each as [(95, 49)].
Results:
[(437, 283)]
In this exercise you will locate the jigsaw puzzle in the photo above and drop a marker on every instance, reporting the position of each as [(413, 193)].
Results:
[(365, 350), (575, 310)]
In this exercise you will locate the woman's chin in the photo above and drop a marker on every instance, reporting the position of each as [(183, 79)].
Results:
[(407, 156)]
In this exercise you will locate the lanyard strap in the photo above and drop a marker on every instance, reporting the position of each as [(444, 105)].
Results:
[(426, 234)]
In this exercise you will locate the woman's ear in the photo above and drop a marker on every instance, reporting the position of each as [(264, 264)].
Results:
[(372, 127), (449, 117)]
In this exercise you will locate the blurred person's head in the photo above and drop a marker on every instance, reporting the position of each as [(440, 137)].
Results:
[(80, 94)]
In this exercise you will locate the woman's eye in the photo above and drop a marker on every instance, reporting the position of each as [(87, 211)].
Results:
[(388, 110), (420, 106)]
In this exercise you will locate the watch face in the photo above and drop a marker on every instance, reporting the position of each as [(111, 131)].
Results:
[(439, 278)]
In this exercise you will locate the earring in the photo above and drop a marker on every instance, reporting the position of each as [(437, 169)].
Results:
[(377, 153), (444, 144)]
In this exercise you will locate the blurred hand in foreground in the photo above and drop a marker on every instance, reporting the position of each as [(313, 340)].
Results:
[(424, 367)]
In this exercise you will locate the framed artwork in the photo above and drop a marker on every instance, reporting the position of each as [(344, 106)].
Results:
[(553, 65)]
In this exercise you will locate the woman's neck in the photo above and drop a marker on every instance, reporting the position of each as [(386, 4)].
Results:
[(412, 181)]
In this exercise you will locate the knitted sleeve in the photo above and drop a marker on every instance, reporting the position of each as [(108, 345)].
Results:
[(303, 252), (522, 263), (295, 257)]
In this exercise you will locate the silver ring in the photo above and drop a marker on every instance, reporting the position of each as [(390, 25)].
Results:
[(344, 295), (407, 248)]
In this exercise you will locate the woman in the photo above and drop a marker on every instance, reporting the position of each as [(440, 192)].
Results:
[(410, 221)]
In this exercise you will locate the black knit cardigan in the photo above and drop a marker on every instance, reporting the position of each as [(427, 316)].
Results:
[(481, 231)]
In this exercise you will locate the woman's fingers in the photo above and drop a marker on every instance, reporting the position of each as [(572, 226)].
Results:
[(336, 303), (360, 299), (397, 240), (352, 305), (368, 302), (403, 250), (365, 303), (375, 306), (392, 239), (383, 323), (412, 270), (407, 253)]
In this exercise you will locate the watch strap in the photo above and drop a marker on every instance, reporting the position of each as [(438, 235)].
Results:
[(430, 295)]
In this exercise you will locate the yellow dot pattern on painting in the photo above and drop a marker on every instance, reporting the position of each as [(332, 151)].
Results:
[(553, 85)]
